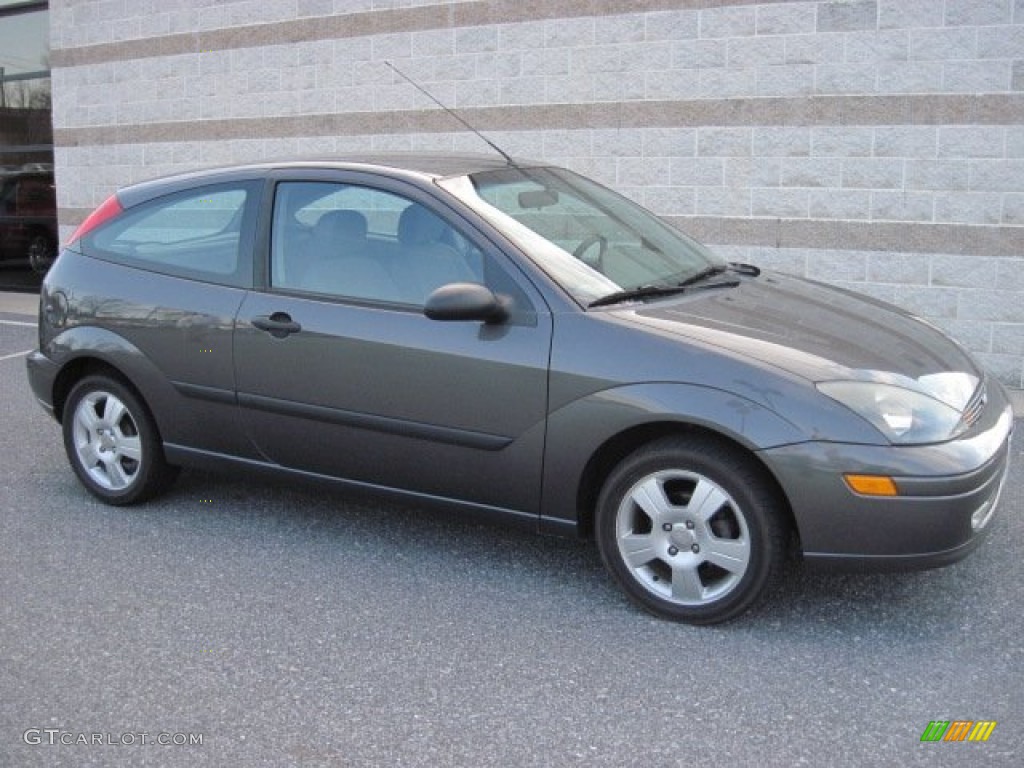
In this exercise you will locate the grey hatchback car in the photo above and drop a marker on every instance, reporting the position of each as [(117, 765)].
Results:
[(516, 341)]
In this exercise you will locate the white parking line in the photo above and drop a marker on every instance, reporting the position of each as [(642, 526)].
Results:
[(16, 354), (17, 322)]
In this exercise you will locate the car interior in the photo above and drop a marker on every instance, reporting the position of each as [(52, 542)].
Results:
[(389, 249)]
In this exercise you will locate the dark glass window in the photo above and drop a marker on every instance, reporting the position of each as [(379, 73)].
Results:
[(28, 217), (26, 134)]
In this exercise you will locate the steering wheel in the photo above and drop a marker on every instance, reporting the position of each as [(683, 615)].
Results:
[(586, 244)]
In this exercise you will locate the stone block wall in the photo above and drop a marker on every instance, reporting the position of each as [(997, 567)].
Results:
[(874, 144)]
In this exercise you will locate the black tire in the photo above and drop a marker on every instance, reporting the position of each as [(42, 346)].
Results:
[(41, 253), (112, 442), (692, 529)]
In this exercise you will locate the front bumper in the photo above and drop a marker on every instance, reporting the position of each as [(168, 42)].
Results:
[(941, 488)]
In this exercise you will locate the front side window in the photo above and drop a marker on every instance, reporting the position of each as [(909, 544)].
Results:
[(197, 234), (367, 244), (590, 240)]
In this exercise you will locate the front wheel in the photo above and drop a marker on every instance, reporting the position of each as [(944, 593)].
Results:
[(112, 442), (691, 528)]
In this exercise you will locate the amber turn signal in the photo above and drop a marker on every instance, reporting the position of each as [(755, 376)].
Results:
[(872, 485)]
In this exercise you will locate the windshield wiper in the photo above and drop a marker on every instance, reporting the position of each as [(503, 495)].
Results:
[(744, 269), (640, 292), (650, 291), (704, 274)]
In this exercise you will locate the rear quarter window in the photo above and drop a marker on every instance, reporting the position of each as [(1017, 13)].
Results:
[(203, 234)]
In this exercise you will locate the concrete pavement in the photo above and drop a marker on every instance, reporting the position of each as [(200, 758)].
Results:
[(289, 625), (19, 303)]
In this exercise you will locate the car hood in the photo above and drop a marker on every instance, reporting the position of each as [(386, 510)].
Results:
[(817, 332)]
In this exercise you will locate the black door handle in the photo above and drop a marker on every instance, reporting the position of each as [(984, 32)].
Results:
[(278, 325)]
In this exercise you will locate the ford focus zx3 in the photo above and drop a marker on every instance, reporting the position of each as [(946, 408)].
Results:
[(515, 340)]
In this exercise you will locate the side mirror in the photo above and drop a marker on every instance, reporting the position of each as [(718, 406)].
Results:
[(465, 301)]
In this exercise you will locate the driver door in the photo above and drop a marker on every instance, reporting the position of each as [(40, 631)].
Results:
[(339, 373)]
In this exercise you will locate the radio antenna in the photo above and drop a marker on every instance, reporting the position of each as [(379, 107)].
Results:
[(453, 113)]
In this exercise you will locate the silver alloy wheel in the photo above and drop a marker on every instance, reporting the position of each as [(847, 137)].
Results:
[(683, 538), (106, 440)]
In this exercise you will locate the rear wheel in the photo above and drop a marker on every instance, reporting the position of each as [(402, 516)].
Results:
[(112, 442), (691, 529)]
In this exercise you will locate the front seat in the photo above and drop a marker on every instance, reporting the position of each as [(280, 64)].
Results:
[(426, 263), (344, 264)]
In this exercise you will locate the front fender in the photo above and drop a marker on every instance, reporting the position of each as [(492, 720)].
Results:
[(579, 429)]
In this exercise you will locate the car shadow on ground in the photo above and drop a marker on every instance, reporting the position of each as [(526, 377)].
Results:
[(803, 600)]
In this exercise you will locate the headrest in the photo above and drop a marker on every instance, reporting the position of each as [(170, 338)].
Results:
[(342, 224), (418, 226)]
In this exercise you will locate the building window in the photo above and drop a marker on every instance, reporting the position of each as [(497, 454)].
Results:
[(27, 217)]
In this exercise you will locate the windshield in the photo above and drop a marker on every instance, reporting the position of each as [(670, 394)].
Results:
[(590, 240)]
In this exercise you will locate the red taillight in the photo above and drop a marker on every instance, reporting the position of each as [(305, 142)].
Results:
[(108, 210)]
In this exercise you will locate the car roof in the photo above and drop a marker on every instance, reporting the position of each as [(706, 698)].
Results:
[(414, 165)]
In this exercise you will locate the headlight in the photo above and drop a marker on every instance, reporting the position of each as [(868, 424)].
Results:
[(902, 415)]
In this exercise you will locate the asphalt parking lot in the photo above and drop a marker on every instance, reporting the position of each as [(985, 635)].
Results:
[(290, 626)]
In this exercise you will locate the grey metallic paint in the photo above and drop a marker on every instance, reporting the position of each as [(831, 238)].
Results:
[(400, 374), (507, 419)]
